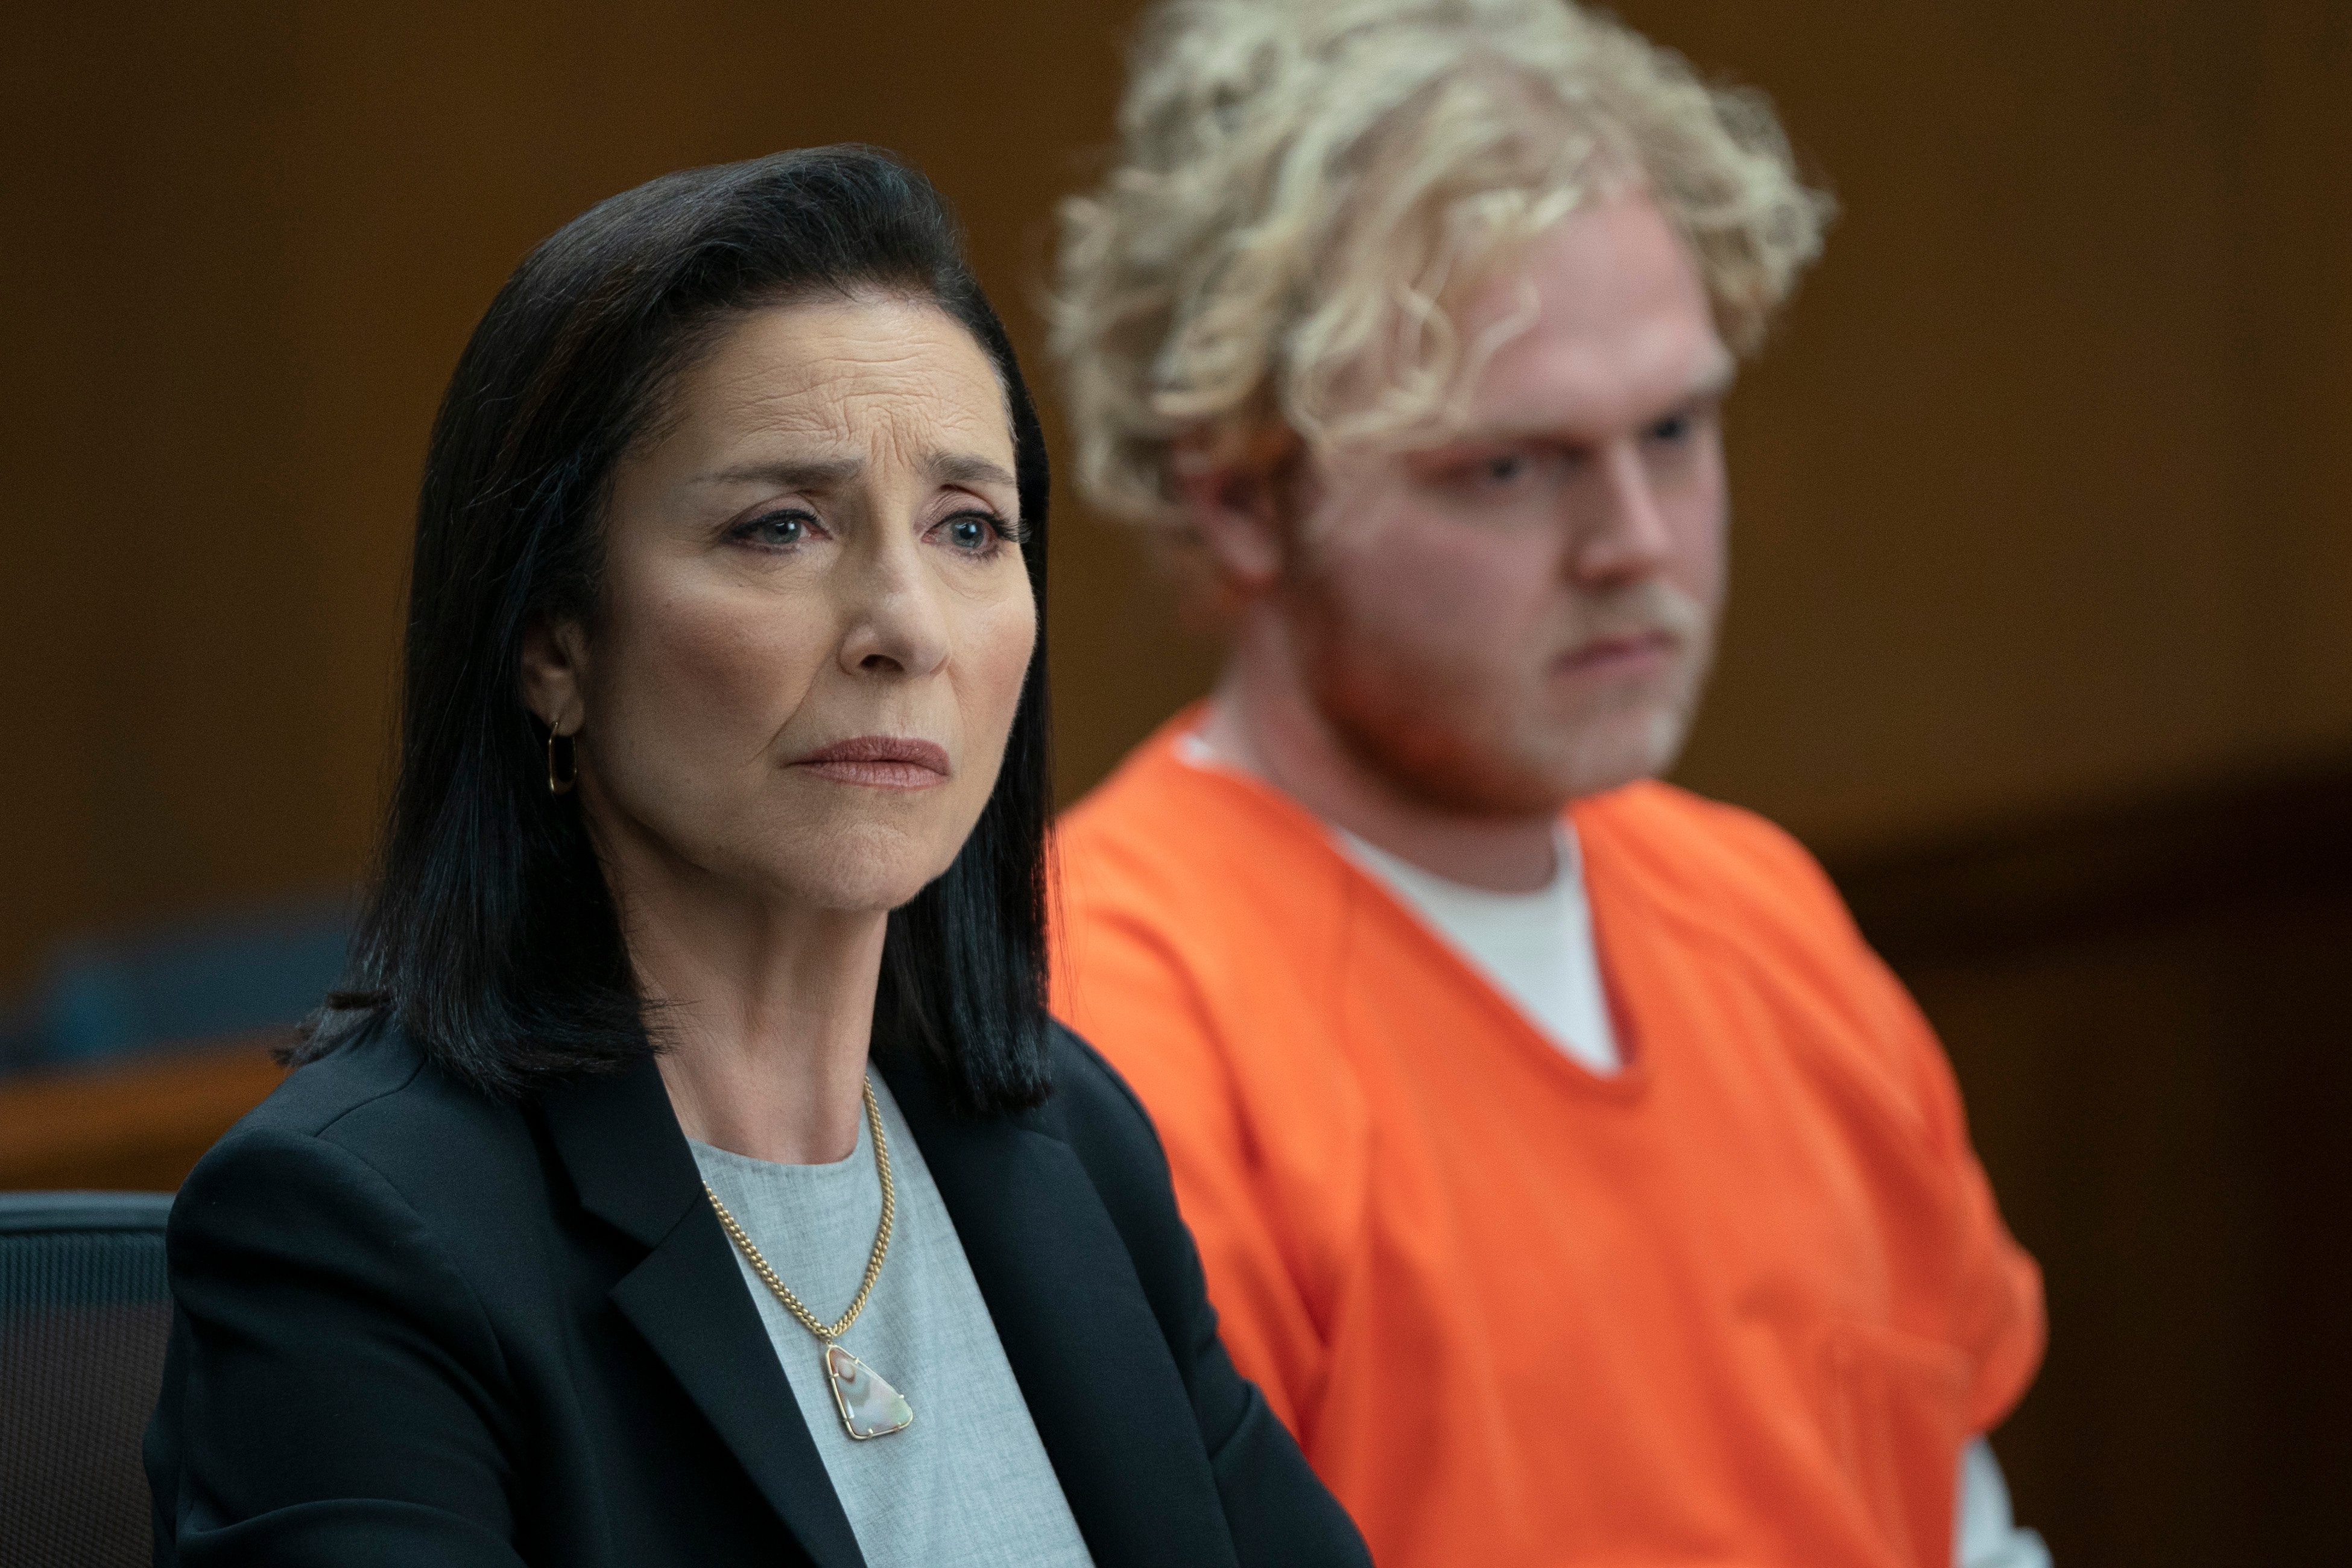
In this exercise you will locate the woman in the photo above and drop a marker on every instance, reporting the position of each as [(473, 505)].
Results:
[(692, 1173)]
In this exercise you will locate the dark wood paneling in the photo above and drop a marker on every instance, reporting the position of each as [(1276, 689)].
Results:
[(2042, 488), (2147, 1005), (2106, 870)]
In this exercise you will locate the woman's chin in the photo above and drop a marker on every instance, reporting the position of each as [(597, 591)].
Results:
[(876, 873)]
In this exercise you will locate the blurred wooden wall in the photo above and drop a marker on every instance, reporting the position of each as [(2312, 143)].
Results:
[(243, 244), (2145, 1000), (2043, 493), (2042, 488), (2045, 490)]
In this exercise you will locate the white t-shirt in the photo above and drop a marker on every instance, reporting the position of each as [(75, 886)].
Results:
[(968, 1484), (1537, 948)]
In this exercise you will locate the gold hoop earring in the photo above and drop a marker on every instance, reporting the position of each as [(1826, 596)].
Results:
[(561, 784)]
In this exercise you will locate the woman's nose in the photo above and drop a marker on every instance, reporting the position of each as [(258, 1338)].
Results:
[(896, 623)]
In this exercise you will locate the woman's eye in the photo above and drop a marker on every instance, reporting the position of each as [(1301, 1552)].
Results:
[(1671, 429), (777, 530), (1504, 469), (974, 533)]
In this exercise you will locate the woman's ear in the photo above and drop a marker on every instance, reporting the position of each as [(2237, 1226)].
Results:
[(552, 667)]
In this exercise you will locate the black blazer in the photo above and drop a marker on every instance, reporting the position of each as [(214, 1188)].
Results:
[(416, 1324)]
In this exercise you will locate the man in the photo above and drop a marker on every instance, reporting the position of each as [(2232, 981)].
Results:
[(1575, 1182)]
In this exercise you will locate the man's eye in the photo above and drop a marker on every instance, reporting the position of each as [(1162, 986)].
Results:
[(1505, 470), (1673, 429)]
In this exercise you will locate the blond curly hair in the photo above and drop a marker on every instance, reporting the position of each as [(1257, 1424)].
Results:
[(1302, 186)]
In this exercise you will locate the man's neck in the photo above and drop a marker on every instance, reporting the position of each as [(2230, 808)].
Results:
[(1262, 721)]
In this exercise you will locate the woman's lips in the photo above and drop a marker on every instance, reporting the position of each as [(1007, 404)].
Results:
[(880, 761)]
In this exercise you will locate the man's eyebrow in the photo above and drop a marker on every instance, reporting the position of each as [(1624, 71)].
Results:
[(1712, 384), (966, 467), (1716, 382), (793, 473)]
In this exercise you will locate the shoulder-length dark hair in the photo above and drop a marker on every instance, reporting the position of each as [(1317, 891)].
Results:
[(489, 934)]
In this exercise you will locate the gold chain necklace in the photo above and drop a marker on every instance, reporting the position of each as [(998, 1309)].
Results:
[(869, 1406)]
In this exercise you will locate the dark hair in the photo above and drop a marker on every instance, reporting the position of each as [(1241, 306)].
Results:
[(489, 933)]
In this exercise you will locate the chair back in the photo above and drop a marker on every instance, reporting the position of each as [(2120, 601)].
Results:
[(85, 1309)]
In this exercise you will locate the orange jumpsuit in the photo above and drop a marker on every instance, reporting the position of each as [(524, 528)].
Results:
[(1743, 1302)]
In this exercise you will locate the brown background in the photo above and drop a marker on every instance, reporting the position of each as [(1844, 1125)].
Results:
[(2042, 492)]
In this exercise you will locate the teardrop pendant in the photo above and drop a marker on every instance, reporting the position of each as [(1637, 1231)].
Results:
[(869, 1406)]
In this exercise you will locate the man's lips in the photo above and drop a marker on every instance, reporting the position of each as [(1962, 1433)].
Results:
[(883, 761), (1635, 653)]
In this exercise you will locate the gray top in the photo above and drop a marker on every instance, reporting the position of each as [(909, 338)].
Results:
[(968, 1483)]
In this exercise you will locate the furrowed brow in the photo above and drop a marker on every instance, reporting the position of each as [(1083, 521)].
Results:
[(792, 473), (966, 468)]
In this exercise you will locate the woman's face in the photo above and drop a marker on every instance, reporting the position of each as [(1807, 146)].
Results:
[(815, 620)]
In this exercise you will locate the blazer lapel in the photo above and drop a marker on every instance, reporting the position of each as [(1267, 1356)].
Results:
[(1090, 1357), (620, 1141)]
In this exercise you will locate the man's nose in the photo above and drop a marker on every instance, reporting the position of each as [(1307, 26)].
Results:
[(1623, 534), (896, 624)]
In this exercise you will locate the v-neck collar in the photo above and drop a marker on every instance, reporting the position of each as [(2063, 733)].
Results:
[(1084, 1345), (1089, 1353), (1366, 895), (619, 1138)]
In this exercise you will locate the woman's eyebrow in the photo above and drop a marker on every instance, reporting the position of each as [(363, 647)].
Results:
[(793, 473), (823, 473), (964, 469)]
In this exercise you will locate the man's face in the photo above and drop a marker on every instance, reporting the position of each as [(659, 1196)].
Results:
[(1523, 614)]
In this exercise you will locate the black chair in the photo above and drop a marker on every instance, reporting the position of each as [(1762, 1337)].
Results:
[(85, 1309)]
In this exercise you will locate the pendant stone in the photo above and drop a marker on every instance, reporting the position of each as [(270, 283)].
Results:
[(869, 1406)]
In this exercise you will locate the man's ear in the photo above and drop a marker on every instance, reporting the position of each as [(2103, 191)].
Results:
[(552, 668), (1239, 504)]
